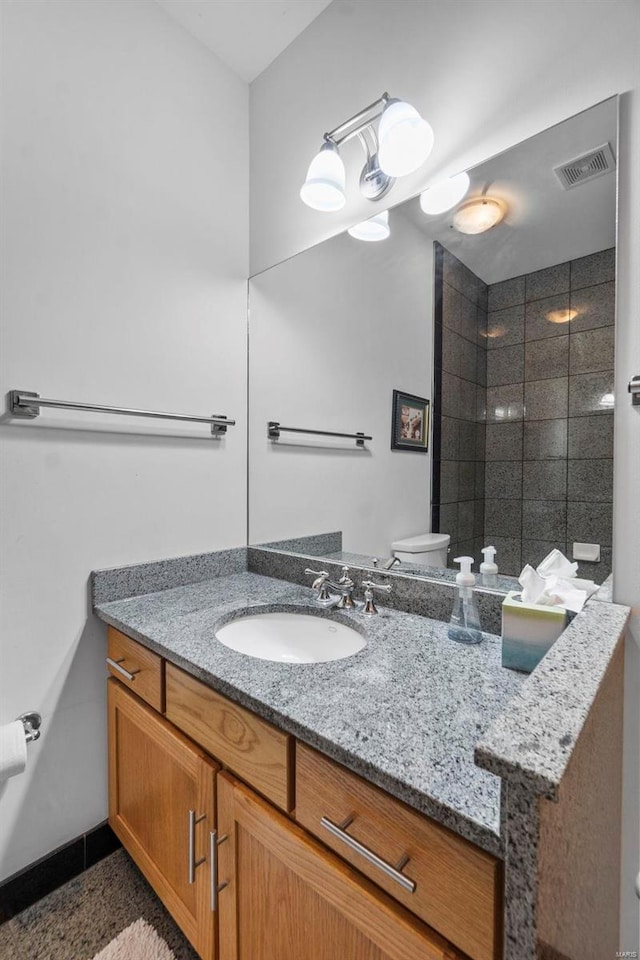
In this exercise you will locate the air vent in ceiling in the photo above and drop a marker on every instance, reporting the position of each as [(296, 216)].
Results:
[(590, 165)]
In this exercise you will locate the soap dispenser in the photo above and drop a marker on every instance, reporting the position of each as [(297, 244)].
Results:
[(489, 568), (464, 625)]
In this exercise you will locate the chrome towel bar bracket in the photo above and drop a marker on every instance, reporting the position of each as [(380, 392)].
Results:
[(31, 722), (274, 429), (634, 390), (26, 404)]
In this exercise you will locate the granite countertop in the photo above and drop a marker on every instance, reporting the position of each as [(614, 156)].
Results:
[(406, 712)]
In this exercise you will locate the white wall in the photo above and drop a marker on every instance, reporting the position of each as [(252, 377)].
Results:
[(124, 265), (486, 74), (333, 333)]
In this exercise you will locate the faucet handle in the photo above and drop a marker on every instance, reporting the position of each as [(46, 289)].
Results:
[(320, 584), (345, 578), (369, 586)]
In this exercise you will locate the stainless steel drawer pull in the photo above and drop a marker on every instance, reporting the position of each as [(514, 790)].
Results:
[(216, 887), (125, 673), (193, 863), (339, 831)]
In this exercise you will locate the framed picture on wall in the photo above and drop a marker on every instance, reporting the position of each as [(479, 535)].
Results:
[(409, 422)]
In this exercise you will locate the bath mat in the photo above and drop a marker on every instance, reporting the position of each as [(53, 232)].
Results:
[(137, 942)]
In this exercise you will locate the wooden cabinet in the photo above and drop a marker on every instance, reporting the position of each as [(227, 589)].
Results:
[(248, 745), (456, 886), (285, 897), (139, 669), (162, 807)]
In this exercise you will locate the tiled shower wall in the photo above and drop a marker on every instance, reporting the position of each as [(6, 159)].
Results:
[(523, 415), (549, 441), (459, 402)]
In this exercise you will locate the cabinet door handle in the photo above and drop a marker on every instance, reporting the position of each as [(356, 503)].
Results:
[(339, 831), (216, 887), (193, 863), (125, 673)]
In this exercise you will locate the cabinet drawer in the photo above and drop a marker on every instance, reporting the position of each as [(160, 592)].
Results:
[(136, 667), (247, 745), (457, 885)]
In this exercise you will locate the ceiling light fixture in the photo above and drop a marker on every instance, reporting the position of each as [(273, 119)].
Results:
[(401, 144), (479, 215), (375, 228), (561, 316), (445, 195)]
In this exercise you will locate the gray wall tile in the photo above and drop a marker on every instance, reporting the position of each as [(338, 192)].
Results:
[(466, 449), (548, 358), (505, 327), (505, 365), (448, 481), (449, 520), (451, 395), (503, 518), (545, 439), (508, 553), (595, 305), (543, 479), (591, 351), (449, 438), (481, 441), (458, 313), (506, 294), (451, 350), (546, 399), (466, 522), (596, 268), (547, 283), (455, 273), (590, 480), (467, 409), (504, 441), (587, 391), (503, 479), (505, 403), (590, 437), (544, 520), (478, 519), (467, 480), (589, 523), (534, 551), (537, 324)]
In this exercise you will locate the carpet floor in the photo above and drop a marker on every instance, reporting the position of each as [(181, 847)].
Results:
[(81, 918)]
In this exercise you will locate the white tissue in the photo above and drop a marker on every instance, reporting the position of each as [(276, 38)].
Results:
[(554, 583), (13, 750)]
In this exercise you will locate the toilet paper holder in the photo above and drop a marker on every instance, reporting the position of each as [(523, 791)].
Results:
[(31, 721)]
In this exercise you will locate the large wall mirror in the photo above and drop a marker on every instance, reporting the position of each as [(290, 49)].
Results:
[(508, 333)]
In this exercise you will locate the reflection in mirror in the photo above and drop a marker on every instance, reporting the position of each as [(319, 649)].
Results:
[(508, 333)]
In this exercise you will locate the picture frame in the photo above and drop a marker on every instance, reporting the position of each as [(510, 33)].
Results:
[(409, 422)]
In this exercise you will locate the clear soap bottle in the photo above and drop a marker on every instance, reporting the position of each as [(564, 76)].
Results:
[(464, 625), (489, 568)]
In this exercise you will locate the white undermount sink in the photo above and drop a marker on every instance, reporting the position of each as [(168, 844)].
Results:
[(291, 637)]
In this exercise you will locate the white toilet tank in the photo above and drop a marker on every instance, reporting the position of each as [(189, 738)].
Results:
[(425, 550)]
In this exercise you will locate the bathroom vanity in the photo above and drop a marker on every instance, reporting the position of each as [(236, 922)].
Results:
[(338, 809)]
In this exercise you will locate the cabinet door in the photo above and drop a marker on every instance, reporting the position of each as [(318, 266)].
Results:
[(162, 807), (283, 896)]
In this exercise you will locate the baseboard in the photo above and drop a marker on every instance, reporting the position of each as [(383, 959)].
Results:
[(38, 879)]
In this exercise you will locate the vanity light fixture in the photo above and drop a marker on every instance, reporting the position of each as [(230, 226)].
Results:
[(375, 228), (445, 195), (401, 144), (479, 215)]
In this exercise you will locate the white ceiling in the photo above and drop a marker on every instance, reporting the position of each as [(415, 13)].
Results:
[(247, 35), (545, 224)]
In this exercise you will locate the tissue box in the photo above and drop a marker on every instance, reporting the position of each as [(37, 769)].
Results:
[(528, 631)]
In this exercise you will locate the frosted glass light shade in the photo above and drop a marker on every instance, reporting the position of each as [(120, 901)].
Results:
[(444, 195), (324, 187), (406, 140), (376, 228), (479, 215)]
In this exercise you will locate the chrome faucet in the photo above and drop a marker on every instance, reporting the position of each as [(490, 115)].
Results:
[(344, 588), (370, 608)]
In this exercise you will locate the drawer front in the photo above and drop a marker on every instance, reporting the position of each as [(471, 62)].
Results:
[(456, 886), (247, 745), (136, 667)]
